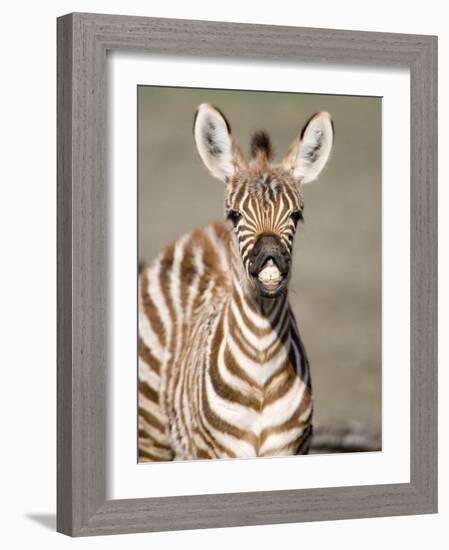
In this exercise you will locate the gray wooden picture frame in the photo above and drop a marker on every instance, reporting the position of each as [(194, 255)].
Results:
[(83, 40)]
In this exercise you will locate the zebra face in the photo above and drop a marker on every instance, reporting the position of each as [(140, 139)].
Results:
[(264, 209), (263, 200)]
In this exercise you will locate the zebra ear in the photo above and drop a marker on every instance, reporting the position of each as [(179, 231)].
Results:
[(310, 152), (213, 140)]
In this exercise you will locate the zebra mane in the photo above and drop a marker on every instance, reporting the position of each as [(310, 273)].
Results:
[(261, 145)]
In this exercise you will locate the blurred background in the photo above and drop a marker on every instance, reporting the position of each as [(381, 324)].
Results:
[(335, 289)]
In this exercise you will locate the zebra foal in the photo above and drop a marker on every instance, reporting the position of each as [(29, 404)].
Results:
[(222, 368)]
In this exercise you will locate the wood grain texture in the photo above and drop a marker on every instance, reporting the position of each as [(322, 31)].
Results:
[(64, 276), (424, 260), (83, 40)]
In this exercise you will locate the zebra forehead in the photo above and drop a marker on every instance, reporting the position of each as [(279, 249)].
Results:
[(264, 184), (264, 187), (269, 189)]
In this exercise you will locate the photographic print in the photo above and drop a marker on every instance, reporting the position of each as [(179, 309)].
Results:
[(281, 298), (259, 295)]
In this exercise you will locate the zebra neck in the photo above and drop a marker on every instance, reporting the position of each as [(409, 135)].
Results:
[(257, 325), (260, 326)]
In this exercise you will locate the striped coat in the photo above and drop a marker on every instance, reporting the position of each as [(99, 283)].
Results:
[(223, 372)]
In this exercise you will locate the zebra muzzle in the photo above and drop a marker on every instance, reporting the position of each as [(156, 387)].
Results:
[(269, 265), (270, 276)]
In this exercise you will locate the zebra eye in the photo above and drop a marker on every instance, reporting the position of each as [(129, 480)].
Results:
[(297, 216), (234, 216)]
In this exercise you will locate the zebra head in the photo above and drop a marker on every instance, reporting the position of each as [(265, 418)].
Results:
[(263, 200)]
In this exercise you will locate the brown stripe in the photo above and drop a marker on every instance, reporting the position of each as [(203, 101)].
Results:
[(246, 246), (275, 379), (288, 449), (146, 355), (282, 316), (247, 322), (294, 447), (204, 431), (144, 436), (145, 456), (221, 388), (166, 266), (229, 393), (152, 420), (283, 339), (149, 392), (238, 195), (222, 426), (303, 368), (279, 391), (292, 422), (150, 309), (244, 346), (304, 443), (187, 273), (148, 444), (234, 368), (202, 454), (179, 419), (247, 349)]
